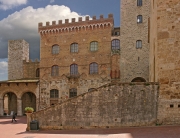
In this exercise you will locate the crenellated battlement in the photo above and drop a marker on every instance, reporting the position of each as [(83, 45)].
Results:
[(36, 61), (72, 25)]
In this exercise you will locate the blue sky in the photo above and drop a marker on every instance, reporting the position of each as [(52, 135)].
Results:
[(19, 20)]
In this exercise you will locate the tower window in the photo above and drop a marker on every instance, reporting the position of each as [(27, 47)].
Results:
[(54, 70), (74, 48), (72, 92), (138, 44), (93, 68), (37, 72), (93, 46), (139, 2), (115, 44), (74, 69), (139, 19), (55, 49)]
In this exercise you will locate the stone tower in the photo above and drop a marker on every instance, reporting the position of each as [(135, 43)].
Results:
[(134, 38), (165, 57), (18, 50)]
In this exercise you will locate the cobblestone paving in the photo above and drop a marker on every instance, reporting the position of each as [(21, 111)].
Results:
[(18, 130)]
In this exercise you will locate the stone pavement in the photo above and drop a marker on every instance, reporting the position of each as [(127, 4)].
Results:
[(17, 130)]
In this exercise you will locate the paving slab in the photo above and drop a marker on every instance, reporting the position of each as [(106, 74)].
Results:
[(18, 130)]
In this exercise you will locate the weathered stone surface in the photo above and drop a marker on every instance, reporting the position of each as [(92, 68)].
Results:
[(134, 62), (165, 57), (112, 105)]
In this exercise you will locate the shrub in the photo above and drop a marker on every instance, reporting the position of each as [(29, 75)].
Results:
[(29, 109)]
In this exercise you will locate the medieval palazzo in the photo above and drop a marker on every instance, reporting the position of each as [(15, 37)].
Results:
[(91, 73)]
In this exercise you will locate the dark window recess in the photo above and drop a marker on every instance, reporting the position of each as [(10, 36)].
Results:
[(138, 44), (139, 2), (74, 69), (55, 70), (37, 72), (171, 105), (178, 105), (139, 19), (115, 44), (54, 93), (116, 33), (93, 68), (72, 92)]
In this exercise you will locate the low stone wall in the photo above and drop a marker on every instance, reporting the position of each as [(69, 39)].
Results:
[(112, 105)]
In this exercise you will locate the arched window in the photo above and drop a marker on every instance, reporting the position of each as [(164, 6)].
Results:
[(74, 69), (115, 44), (138, 79), (54, 93), (138, 44), (94, 46), (55, 49), (91, 89), (37, 72), (72, 92), (139, 2), (139, 19), (93, 68), (74, 48), (55, 70)]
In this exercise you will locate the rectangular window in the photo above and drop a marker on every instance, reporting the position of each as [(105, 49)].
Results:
[(139, 2), (72, 92), (138, 44)]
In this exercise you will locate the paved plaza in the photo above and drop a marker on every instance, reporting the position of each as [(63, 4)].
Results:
[(18, 130)]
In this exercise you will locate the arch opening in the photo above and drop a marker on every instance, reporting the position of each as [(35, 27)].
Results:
[(28, 100), (9, 103), (138, 79)]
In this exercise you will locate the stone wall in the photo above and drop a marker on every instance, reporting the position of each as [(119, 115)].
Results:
[(167, 66), (30, 69), (134, 62), (18, 50), (112, 105)]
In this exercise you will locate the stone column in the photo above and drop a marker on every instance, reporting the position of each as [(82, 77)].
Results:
[(19, 107), (1, 107), (28, 121)]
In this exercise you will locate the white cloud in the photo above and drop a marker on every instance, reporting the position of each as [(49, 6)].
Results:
[(51, 1), (24, 25), (8, 4), (3, 69)]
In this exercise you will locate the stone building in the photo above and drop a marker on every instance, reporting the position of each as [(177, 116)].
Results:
[(83, 58), (165, 57)]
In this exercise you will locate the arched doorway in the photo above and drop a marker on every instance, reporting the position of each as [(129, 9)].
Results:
[(28, 100), (138, 79), (10, 103)]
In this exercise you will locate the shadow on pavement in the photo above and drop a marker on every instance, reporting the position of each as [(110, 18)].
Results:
[(20, 120)]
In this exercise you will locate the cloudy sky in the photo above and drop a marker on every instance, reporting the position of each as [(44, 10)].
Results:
[(19, 20)]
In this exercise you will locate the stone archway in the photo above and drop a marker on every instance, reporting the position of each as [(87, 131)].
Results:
[(28, 100), (138, 79), (9, 103)]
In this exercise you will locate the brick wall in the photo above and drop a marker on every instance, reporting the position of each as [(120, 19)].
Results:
[(30, 69), (81, 32)]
